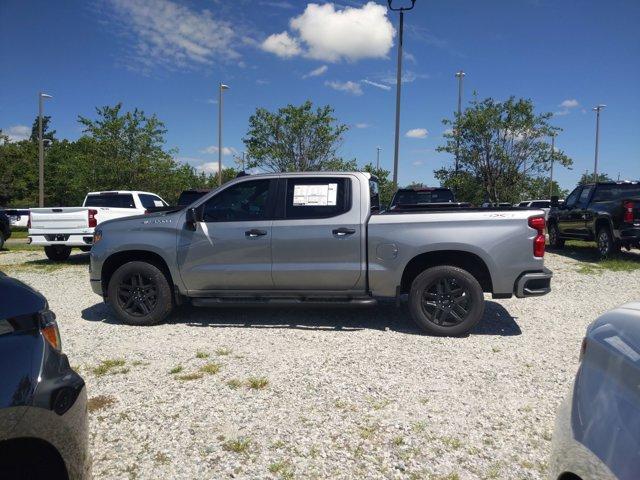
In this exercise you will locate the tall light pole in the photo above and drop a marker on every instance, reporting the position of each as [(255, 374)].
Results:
[(41, 97), (378, 158), (459, 75), (398, 87), (553, 151), (222, 87), (597, 109)]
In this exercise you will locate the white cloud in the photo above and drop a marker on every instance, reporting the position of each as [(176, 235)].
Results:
[(209, 167), (417, 163), (448, 131), (214, 149), (167, 34), (376, 84), (317, 72), (332, 35), (282, 45), (561, 113), (17, 133), (408, 76), (409, 57), (362, 125), (569, 103), (212, 101), (417, 133), (349, 87)]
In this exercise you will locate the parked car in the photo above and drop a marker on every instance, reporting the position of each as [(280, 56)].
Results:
[(59, 229), (5, 229), (424, 198), (597, 432), (43, 402), (18, 217), (186, 198), (310, 238), (542, 204), (607, 212)]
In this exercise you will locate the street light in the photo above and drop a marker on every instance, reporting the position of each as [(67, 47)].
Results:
[(222, 87), (398, 87), (41, 97), (378, 158), (597, 109), (459, 75)]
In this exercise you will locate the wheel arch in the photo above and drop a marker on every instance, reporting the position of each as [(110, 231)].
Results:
[(116, 260), (468, 261), (27, 450)]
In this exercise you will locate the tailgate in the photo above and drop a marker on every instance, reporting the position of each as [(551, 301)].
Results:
[(58, 219)]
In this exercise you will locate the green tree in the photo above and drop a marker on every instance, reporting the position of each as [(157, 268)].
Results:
[(46, 133), (500, 146), (295, 138), (385, 185), (588, 178)]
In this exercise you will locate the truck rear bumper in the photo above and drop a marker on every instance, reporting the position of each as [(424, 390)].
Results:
[(533, 284), (69, 240)]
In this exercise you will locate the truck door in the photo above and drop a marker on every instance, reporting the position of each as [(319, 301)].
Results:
[(231, 247), (583, 216), (317, 237), (568, 218)]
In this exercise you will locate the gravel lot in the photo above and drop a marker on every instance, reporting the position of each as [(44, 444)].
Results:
[(324, 393)]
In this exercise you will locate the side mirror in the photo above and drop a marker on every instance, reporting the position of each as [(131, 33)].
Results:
[(194, 215), (554, 201)]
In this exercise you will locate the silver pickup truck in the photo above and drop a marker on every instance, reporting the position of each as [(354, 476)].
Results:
[(318, 239)]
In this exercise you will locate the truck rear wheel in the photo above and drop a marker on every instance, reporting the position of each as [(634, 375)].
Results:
[(57, 253), (446, 300), (140, 294), (607, 246), (554, 236)]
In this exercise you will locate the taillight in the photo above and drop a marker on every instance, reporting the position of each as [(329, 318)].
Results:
[(29, 221), (49, 329), (628, 211), (538, 223), (93, 222)]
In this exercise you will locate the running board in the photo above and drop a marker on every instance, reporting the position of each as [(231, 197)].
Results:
[(283, 302)]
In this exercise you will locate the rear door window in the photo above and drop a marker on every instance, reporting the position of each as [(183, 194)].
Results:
[(111, 200), (151, 201), (607, 193), (315, 197), (584, 196)]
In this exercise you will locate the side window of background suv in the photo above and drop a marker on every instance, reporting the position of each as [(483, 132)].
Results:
[(240, 202)]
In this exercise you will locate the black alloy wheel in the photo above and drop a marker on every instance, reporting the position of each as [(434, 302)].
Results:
[(137, 294), (445, 302)]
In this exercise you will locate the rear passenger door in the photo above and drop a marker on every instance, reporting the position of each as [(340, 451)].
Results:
[(317, 236)]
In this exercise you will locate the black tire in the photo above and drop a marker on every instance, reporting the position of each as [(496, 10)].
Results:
[(2, 240), (554, 236), (140, 294), (57, 253), (446, 301), (607, 246)]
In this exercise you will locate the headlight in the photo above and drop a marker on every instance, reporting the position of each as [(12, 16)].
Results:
[(97, 236), (49, 328)]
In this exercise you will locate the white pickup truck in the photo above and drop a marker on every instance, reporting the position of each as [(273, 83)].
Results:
[(59, 229)]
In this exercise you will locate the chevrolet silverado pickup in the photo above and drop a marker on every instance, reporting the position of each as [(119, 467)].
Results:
[(59, 229), (317, 238), (606, 212)]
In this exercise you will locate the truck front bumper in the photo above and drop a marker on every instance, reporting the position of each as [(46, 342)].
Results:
[(533, 284)]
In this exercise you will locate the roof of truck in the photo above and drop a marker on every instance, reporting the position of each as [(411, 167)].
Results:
[(111, 192)]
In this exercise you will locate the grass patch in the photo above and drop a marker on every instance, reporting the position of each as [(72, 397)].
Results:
[(190, 376), (587, 252), (200, 354), (452, 442), (281, 468), (367, 431), (398, 441), (257, 383), (211, 368), (19, 233), (161, 458), (100, 402), (111, 367), (224, 351), (176, 369), (234, 384), (238, 445)]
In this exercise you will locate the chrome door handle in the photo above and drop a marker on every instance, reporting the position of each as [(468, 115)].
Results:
[(254, 232), (343, 232)]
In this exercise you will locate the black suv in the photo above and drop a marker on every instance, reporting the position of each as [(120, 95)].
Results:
[(607, 212)]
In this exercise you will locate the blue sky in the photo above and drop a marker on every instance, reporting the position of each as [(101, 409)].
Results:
[(167, 57)]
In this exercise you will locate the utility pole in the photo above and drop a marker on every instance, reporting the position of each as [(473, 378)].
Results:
[(553, 145), (597, 109), (459, 75), (378, 158), (222, 87), (398, 87), (41, 97)]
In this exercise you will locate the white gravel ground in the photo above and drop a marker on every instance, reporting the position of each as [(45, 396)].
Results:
[(350, 393)]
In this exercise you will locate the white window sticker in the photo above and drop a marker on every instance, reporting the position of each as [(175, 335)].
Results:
[(315, 195), (158, 203)]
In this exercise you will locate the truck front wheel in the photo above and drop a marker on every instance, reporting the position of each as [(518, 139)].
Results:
[(57, 253), (140, 294), (446, 300)]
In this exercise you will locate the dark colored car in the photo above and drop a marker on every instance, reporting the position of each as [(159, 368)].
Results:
[(186, 198), (606, 212), (43, 402), (5, 228)]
